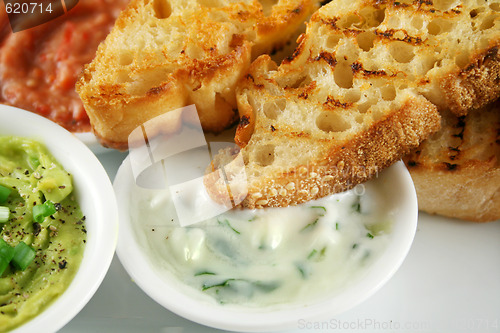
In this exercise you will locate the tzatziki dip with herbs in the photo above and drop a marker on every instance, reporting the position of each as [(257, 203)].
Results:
[(267, 257)]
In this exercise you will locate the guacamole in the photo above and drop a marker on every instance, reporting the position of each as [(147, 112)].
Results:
[(34, 177)]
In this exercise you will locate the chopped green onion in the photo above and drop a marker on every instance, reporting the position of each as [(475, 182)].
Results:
[(310, 225), (4, 263), (6, 255), (321, 208), (224, 283), (23, 256), (4, 214), (302, 270), (6, 250), (232, 283), (317, 256), (227, 224), (204, 273), (313, 252), (34, 162), (40, 212), (266, 286), (369, 235), (4, 193)]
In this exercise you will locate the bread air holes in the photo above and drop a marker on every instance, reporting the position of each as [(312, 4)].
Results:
[(162, 9), (489, 22), (394, 22), (267, 6), (365, 107), (343, 75), (439, 26), (474, 12), (329, 121), (388, 93), (264, 155), (365, 40), (495, 6), (122, 77), (298, 82), (347, 21), (372, 17), (125, 59), (273, 109), (445, 5), (368, 17), (211, 3), (462, 60), (401, 52), (417, 22), (425, 64), (484, 43), (352, 96), (332, 41)]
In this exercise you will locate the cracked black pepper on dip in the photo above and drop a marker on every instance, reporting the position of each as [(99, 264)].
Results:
[(43, 234)]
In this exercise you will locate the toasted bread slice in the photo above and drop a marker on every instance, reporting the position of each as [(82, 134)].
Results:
[(356, 95), (301, 149), (165, 54), (448, 50), (457, 170)]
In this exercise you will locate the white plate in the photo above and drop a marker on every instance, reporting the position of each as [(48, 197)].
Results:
[(89, 139), (449, 282)]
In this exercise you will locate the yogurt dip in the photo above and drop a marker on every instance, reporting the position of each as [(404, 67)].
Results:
[(266, 257)]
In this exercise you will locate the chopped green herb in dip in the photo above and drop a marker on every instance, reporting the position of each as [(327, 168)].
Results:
[(45, 224), (266, 257)]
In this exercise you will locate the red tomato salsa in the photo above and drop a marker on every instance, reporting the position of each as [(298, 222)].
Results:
[(39, 66)]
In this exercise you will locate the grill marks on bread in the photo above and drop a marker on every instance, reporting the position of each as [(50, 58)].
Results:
[(166, 54), (457, 170), (360, 66)]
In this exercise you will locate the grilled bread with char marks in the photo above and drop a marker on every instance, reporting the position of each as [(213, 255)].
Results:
[(165, 54), (457, 170), (362, 89)]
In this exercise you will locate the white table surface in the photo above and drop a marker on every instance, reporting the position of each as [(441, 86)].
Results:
[(450, 282)]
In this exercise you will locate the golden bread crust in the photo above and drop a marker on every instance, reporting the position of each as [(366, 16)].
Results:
[(341, 164), (474, 86), (363, 77), (457, 171), (163, 55), (291, 154), (471, 193)]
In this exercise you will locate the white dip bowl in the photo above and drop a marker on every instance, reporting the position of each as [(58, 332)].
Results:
[(146, 259)]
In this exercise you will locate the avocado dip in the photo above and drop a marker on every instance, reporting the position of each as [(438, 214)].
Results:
[(34, 178)]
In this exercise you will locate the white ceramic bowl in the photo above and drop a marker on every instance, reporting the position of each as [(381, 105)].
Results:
[(97, 201), (170, 293)]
